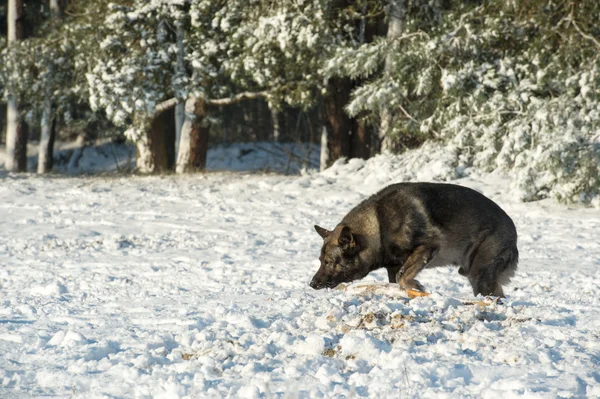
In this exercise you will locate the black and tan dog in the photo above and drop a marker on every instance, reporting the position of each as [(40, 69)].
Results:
[(407, 227)]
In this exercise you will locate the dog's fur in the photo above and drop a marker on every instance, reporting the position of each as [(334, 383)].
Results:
[(407, 227)]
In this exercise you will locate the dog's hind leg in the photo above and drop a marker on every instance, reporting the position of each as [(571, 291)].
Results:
[(492, 267)]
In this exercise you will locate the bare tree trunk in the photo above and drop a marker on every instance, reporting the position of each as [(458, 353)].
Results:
[(324, 161), (339, 123), (199, 147), (46, 139), (16, 130), (48, 123), (179, 120), (193, 144), (80, 145), (55, 9), (156, 147), (361, 140), (276, 127), (144, 161), (179, 108), (162, 141), (395, 14), (16, 138), (225, 123)]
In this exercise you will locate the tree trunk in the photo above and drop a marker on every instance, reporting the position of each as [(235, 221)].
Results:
[(156, 147), (16, 138), (361, 140), (324, 161), (80, 144), (179, 119), (55, 9), (276, 127), (179, 108), (193, 145), (16, 130), (48, 132), (339, 123), (199, 147), (161, 137), (48, 123), (395, 16)]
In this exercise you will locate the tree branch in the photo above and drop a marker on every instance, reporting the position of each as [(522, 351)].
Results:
[(409, 116), (167, 104), (582, 33), (247, 95), (237, 98)]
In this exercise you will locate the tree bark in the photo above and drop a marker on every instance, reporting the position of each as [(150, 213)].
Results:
[(179, 119), (199, 146), (324, 159), (156, 147), (360, 140), (276, 127), (161, 141), (48, 123), (193, 145), (339, 124), (55, 9), (21, 146), (48, 133), (16, 130), (395, 27), (180, 107), (80, 145)]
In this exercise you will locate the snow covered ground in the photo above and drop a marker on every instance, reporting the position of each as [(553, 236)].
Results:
[(106, 156), (197, 287)]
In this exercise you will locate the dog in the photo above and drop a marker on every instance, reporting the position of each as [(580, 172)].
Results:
[(407, 227)]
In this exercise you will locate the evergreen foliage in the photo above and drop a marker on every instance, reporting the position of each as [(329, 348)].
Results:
[(506, 85)]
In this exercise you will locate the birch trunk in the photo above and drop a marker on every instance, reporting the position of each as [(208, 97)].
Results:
[(179, 120), (387, 118), (193, 144), (324, 161), (46, 140), (276, 127), (16, 130), (179, 108)]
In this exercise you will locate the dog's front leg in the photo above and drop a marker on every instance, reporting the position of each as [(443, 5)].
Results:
[(417, 261), (393, 271)]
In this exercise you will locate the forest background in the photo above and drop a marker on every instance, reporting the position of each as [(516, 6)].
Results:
[(509, 86)]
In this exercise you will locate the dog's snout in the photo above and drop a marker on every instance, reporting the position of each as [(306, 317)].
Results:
[(314, 284), (317, 284)]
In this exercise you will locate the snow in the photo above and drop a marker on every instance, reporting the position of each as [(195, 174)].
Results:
[(106, 156), (197, 286)]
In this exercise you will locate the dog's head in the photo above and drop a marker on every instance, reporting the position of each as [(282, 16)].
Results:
[(339, 258)]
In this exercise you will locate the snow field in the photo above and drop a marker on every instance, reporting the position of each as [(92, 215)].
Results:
[(197, 286)]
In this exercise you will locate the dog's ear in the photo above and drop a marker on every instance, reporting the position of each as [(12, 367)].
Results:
[(324, 233), (346, 240)]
